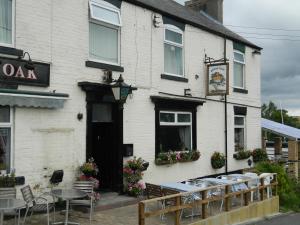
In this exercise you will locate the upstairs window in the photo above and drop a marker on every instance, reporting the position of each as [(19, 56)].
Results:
[(6, 22), (239, 69), (173, 51), (104, 32)]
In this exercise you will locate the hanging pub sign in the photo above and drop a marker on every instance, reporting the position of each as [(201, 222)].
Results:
[(217, 79), (16, 71)]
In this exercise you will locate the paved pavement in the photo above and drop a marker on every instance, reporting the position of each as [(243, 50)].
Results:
[(285, 219)]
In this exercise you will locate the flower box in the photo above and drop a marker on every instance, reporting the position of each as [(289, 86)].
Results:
[(242, 154), (171, 157)]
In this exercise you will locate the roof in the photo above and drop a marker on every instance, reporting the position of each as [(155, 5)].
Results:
[(183, 14), (280, 129)]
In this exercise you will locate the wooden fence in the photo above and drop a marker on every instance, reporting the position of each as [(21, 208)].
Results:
[(179, 205)]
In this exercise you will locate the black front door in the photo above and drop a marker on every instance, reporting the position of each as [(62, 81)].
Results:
[(103, 144)]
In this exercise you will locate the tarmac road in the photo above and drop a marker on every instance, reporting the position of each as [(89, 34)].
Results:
[(286, 219)]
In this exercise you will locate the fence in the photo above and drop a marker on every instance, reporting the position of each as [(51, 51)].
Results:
[(179, 205)]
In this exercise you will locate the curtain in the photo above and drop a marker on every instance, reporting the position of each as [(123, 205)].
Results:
[(103, 43), (173, 59), (238, 75), (185, 137), (5, 148), (6, 21)]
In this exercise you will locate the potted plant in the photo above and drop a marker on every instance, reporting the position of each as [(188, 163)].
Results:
[(242, 154), (218, 160)]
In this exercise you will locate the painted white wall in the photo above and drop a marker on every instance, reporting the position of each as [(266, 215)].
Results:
[(56, 32)]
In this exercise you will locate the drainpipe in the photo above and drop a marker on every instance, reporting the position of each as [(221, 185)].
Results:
[(225, 110)]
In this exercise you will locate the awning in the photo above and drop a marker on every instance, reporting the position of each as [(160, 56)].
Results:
[(280, 129), (20, 98)]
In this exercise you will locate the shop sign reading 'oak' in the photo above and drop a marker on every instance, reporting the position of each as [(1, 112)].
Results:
[(14, 71)]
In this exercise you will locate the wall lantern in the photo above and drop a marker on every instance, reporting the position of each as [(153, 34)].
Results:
[(29, 65), (121, 90), (249, 162)]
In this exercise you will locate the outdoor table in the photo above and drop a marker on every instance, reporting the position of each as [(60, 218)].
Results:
[(68, 194), (10, 204), (234, 187)]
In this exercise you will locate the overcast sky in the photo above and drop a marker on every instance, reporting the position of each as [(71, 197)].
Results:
[(281, 58)]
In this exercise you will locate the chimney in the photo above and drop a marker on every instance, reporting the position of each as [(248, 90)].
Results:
[(213, 8)]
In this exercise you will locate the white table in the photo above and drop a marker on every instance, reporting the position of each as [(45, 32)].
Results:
[(10, 204), (68, 194)]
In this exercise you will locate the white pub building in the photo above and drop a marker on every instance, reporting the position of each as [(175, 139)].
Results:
[(193, 85)]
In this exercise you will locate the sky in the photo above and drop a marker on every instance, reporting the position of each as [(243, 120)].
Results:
[(280, 59)]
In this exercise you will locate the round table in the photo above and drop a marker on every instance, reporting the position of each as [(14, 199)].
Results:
[(10, 204), (68, 194)]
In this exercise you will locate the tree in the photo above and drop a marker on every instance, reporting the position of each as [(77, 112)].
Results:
[(271, 112)]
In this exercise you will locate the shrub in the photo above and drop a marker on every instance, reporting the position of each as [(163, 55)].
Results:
[(218, 160), (242, 154), (259, 155), (288, 189)]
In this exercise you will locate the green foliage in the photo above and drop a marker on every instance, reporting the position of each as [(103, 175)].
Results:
[(242, 154), (218, 160), (288, 189), (7, 181), (259, 155), (171, 157)]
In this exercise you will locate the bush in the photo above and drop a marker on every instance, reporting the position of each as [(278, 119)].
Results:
[(288, 189), (259, 155), (242, 154), (218, 160)]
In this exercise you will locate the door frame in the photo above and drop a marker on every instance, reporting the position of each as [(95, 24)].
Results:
[(102, 93)]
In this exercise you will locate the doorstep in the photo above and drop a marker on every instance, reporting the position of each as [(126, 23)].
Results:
[(111, 200)]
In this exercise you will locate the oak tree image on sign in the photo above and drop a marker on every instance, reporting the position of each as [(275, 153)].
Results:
[(217, 79)]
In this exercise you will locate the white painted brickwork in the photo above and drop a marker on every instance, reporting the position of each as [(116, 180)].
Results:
[(56, 32)]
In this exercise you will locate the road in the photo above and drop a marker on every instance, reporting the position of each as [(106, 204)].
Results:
[(286, 219)]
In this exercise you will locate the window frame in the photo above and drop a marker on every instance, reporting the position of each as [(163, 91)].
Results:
[(243, 63), (13, 8), (243, 127), (176, 123), (10, 125), (179, 31), (106, 24)]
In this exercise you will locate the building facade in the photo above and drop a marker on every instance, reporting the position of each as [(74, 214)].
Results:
[(160, 48)]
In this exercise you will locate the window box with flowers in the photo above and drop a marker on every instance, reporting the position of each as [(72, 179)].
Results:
[(242, 154), (172, 157), (218, 160), (133, 175)]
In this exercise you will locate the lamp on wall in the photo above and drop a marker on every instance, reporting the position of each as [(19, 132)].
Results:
[(121, 90), (29, 64)]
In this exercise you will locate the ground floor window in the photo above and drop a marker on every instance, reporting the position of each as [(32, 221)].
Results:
[(5, 138), (175, 131), (239, 132)]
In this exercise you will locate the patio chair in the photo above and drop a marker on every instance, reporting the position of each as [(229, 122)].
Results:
[(87, 187), (35, 204), (155, 191), (268, 177), (9, 193), (254, 183), (171, 201)]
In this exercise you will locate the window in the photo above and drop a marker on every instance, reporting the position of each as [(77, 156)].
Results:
[(5, 138), (239, 132), (173, 45), (6, 22), (175, 131), (239, 69), (104, 36)]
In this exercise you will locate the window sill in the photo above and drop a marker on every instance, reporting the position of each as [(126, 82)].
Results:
[(105, 66), (11, 51), (174, 78), (240, 90)]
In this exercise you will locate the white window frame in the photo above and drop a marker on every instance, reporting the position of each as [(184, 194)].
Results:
[(176, 123), (239, 62), (10, 125), (176, 30), (108, 24), (241, 126), (13, 7)]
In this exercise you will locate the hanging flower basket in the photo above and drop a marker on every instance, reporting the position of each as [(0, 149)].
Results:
[(218, 160)]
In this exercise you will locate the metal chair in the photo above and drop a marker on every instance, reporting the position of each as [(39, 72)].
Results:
[(35, 204), (8, 193), (155, 191), (87, 187), (268, 177), (253, 183)]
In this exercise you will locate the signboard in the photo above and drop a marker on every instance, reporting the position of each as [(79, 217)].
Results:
[(13, 71), (217, 79)]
